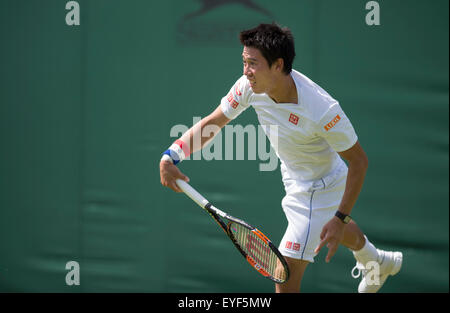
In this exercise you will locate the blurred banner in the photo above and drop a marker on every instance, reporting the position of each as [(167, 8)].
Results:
[(92, 92)]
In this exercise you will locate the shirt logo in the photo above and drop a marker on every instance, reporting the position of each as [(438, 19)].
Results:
[(230, 97), (237, 91), (292, 246), (331, 124), (231, 101), (293, 119)]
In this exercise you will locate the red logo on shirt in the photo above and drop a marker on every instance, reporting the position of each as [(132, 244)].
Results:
[(292, 245), (293, 119), (231, 101), (331, 124), (237, 91)]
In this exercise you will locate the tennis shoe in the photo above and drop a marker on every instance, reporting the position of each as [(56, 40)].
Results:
[(375, 273)]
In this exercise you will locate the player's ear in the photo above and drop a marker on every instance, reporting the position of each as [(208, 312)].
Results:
[(279, 64)]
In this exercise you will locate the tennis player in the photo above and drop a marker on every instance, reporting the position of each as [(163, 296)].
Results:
[(314, 138)]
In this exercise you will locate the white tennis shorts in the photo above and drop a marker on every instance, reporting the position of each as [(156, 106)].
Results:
[(308, 208)]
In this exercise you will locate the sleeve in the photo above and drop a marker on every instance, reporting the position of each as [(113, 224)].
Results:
[(236, 101), (336, 129)]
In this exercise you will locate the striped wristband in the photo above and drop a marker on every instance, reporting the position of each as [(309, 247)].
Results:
[(177, 152)]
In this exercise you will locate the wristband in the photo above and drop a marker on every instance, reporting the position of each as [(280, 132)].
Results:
[(177, 152), (181, 149), (167, 157)]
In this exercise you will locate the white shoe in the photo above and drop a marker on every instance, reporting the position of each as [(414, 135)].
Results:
[(374, 274)]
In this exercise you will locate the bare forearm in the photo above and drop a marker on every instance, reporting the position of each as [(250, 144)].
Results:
[(355, 180), (193, 140), (205, 130), (200, 134)]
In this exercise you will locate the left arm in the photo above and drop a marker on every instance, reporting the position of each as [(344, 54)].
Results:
[(333, 231), (357, 167)]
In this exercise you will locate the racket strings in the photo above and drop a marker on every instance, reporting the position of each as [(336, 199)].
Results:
[(258, 250)]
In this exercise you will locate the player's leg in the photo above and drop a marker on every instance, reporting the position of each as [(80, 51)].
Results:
[(292, 247), (296, 207), (297, 259), (353, 237), (296, 270)]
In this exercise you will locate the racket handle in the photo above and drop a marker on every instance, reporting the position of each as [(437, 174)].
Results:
[(192, 193)]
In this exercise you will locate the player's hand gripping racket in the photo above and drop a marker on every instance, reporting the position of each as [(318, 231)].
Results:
[(256, 248)]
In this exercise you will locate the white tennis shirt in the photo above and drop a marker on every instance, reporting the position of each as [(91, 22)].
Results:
[(307, 135)]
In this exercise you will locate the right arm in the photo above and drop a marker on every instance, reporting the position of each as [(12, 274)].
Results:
[(205, 130), (195, 138)]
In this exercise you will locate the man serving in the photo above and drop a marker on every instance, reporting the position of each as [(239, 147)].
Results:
[(313, 138)]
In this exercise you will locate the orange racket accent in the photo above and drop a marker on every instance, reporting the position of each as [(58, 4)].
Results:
[(257, 267), (256, 248), (261, 236)]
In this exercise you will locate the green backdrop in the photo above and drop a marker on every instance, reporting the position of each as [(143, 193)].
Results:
[(85, 112)]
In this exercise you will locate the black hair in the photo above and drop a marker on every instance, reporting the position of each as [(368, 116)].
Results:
[(273, 42)]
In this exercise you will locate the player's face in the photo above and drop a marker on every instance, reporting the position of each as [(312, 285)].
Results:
[(257, 70)]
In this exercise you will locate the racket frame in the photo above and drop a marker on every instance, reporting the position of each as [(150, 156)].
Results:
[(217, 214)]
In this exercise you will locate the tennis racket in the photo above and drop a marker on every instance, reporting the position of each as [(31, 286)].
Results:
[(256, 248)]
